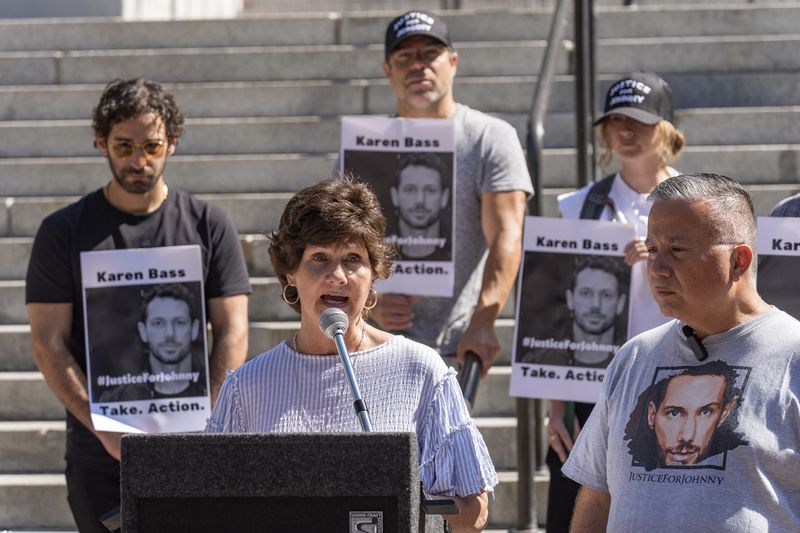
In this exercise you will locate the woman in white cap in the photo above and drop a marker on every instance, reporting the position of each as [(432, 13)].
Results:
[(637, 126)]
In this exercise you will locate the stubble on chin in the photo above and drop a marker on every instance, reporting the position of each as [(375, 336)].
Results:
[(137, 186)]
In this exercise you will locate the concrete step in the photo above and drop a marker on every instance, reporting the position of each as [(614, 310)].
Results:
[(16, 252), (500, 434), (663, 18), (14, 258), (367, 28), (765, 197), (26, 396), (344, 62), (257, 213), (245, 173), (110, 33), (615, 20), (492, 399), (15, 342), (758, 163), (15, 348), (72, 530), (32, 446), (503, 506), (318, 135), (34, 501), (679, 3), (698, 54), (38, 446), (265, 303), (335, 62), (251, 212), (507, 94)]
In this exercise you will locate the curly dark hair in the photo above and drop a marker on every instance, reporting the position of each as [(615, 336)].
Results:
[(340, 209), (126, 99)]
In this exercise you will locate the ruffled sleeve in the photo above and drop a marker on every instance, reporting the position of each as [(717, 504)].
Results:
[(454, 460), (227, 416)]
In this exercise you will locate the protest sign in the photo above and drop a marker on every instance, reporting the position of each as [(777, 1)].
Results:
[(572, 307), (410, 164), (145, 328), (778, 249)]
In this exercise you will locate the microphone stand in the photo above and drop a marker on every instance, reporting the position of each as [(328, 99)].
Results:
[(360, 406), (335, 330)]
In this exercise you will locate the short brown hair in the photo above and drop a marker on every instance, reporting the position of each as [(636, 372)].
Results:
[(333, 210), (672, 142)]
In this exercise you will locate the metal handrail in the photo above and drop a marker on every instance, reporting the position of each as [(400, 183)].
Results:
[(541, 100), (526, 497)]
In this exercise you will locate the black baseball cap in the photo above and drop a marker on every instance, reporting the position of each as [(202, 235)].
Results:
[(642, 96), (415, 22)]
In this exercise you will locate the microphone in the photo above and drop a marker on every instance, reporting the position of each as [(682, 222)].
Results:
[(695, 344), (334, 323)]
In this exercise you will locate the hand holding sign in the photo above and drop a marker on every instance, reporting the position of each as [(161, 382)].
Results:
[(394, 312)]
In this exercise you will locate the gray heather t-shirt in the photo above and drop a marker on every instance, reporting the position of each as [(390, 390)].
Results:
[(489, 159), (698, 446)]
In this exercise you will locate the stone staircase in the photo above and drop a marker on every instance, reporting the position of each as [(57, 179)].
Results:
[(263, 95)]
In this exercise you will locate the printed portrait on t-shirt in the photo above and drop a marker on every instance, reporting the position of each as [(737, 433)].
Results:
[(688, 417)]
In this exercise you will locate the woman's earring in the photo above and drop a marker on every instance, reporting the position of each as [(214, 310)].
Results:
[(285, 299), (374, 294)]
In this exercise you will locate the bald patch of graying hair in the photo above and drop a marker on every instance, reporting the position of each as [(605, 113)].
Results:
[(733, 219)]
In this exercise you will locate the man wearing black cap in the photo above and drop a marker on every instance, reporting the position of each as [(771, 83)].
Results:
[(491, 188)]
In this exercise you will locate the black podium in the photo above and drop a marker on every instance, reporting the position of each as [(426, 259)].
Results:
[(332, 482)]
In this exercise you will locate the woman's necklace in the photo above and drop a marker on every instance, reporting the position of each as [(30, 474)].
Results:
[(363, 333), (319, 421)]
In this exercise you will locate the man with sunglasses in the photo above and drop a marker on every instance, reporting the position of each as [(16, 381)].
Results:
[(492, 186), (137, 126)]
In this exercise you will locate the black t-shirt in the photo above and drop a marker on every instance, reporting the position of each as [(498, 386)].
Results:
[(92, 223)]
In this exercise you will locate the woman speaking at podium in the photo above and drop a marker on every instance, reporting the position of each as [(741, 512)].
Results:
[(327, 253)]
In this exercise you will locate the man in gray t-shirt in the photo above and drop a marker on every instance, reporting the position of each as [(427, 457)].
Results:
[(698, 425), (492, 186)]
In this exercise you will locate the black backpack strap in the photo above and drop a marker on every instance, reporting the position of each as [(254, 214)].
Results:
[(597, 199)]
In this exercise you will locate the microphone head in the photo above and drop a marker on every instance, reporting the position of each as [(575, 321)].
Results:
[(333, 321)]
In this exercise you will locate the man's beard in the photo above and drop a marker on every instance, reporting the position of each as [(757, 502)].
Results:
[(586, 327), (684, 448), (432, 218), (139, 186)]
